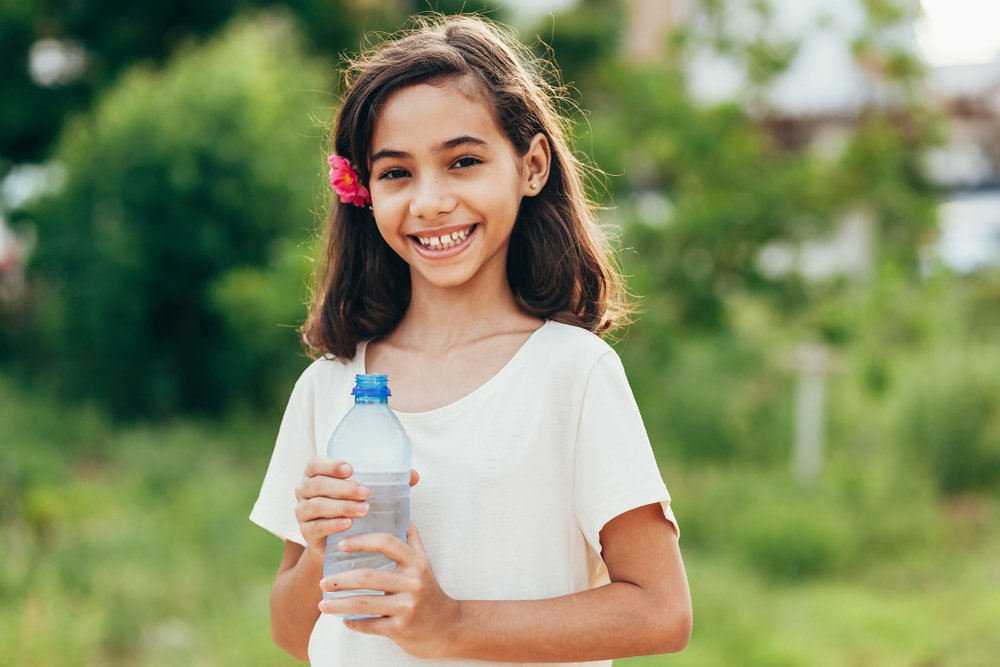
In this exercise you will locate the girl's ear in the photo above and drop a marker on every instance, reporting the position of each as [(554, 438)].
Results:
[(536, 165)]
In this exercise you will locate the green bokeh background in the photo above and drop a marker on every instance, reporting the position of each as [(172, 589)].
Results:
[(144, 368)]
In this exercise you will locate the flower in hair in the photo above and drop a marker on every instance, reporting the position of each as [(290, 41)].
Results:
[(344, 181)]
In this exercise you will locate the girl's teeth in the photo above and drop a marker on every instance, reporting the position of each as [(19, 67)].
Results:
[(445, 241)]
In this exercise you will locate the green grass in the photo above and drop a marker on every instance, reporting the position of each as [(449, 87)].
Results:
[(939, 610), (131, 546)]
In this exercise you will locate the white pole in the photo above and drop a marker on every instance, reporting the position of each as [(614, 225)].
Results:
[(811, 363), (809, 398)]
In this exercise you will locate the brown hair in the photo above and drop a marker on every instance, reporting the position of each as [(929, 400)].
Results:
[(559, 263)]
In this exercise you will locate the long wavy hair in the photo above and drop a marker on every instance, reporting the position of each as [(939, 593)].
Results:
[(560, 265)]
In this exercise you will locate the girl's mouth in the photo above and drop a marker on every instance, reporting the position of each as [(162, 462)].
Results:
[(438, 244)]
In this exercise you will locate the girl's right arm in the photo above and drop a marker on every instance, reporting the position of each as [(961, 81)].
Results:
[(327, 501), (293, 612)]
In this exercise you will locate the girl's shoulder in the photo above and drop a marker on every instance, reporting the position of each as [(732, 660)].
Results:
[(327, 375), (571, 345)]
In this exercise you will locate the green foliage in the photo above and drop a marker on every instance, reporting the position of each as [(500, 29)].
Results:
[(145, 556), (728, 181), (730, 188), (882, 171), (860, 515), (797, 538), (116, 35), (949, 417), (712, 399), (130, 546), (260, 317), (176, 178), (583, 37)]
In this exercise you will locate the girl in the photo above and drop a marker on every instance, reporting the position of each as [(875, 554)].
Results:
[(476, 281)]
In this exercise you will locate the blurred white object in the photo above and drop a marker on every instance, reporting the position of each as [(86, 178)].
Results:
[(52, 62), (954, 32), (812, 363), (970, 232)]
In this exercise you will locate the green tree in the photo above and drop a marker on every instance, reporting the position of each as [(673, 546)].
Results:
[(117, 34), (178, 178)]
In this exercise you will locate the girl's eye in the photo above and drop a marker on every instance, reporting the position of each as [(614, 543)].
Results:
[(466, 162), (392, 174)]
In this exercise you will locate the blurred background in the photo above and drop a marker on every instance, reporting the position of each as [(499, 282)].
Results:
[(806, 196)]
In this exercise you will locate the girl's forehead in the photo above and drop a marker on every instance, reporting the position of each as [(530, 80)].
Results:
[(426, 114)]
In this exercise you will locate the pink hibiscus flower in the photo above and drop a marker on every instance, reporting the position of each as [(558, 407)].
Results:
[(344, 181)]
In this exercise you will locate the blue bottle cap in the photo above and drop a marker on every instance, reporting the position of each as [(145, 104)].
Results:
[(371, 384)]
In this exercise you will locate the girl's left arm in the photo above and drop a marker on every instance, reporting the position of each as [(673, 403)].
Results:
[(645, 610)]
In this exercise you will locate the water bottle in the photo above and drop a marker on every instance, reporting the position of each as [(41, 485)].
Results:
[(372, 440)]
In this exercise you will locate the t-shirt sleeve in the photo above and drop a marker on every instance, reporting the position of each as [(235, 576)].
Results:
[(275, 507), (615, 470)]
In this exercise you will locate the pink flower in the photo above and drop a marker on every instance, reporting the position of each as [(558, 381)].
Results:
[(344, 181)]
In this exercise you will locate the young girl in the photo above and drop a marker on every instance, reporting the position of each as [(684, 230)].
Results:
[(476, 280)]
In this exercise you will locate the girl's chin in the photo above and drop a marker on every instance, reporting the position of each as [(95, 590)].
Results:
[(440, 280)]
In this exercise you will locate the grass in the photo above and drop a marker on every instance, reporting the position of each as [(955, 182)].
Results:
[(130, 546), (939, 610)]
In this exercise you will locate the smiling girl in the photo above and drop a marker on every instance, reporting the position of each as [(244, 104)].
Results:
[(478, 280)]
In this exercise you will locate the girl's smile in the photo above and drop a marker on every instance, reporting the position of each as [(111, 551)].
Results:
[(438, 245)]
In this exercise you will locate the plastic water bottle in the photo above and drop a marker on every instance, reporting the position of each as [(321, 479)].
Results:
[(372, 440)]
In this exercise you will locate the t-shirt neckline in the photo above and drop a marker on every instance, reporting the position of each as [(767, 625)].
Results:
[(360, 366)]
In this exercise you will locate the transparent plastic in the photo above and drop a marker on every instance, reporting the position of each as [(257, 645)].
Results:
[(373, 441)]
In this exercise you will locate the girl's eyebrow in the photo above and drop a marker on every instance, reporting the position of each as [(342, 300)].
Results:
[(464, 140)]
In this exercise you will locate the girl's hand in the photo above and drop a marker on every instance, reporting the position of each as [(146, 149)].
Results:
[(328, 501), (417, 614)]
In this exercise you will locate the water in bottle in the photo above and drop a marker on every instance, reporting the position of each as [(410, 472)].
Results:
[(373, 441)]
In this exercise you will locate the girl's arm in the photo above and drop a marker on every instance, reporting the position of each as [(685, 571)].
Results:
[(327, 503), (646, 609), (294, 597)]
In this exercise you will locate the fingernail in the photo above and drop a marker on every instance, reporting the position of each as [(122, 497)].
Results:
[(362, 508), (363, 491), (344, 468)]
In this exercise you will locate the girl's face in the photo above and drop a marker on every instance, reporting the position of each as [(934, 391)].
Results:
[(446, 184)]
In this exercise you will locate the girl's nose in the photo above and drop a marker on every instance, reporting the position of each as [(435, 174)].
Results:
[(431, 199)]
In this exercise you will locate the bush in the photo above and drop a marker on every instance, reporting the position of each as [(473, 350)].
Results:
[(714, 399), (854, 519), (260, 310), (800, 536), (176, 178), (948, 417)]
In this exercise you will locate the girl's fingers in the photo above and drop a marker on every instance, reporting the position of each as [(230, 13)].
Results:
[(376, 605), (413, 539), (323, 465), (367, 579), (330, 487), (330, 508), (322, 528), (388, 545), (369, 626)]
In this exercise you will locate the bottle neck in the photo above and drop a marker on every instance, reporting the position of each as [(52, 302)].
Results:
[(371, 400)]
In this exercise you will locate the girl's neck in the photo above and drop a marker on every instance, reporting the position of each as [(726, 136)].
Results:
[(440, 318)]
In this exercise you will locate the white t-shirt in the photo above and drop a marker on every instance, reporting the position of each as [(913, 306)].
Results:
[(517, 478)]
